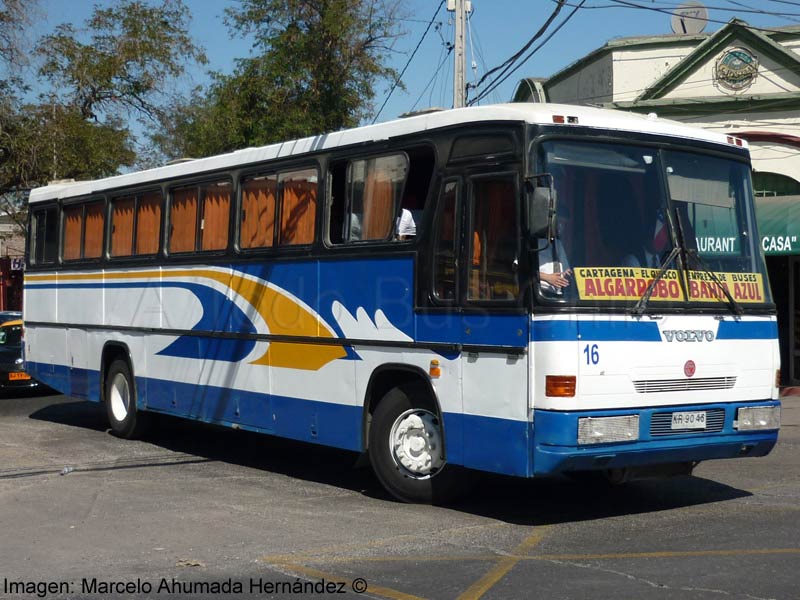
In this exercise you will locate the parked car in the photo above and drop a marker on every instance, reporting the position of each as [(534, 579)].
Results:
[(12, 375), (9, 315)]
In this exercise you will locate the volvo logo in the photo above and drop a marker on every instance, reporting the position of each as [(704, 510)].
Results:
[(688, 335)]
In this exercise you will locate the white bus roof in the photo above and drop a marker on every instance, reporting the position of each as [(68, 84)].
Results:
[(526, 112)]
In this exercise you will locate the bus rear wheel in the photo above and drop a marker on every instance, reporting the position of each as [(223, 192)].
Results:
[(120, 395), (406, 449)]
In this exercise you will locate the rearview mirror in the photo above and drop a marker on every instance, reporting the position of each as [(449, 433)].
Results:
[(541, 207)]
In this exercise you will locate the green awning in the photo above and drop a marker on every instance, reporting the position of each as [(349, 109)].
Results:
[(779, 224)]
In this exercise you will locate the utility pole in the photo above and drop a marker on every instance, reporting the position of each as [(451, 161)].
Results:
[(461, 8)]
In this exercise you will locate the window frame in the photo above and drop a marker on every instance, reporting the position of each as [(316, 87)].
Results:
[(33, 242), (458, 226), (468, 211), (276, 171), (347, 208), (167, 223), (84, 204), (137, 196)]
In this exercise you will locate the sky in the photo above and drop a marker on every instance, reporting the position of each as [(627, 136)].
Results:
[(497, 29)]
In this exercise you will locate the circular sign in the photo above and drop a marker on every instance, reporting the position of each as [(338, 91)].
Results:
[(689, 368), (736, 69), (689, 18)]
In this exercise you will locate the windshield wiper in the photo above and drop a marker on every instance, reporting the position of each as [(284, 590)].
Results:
[(638, 309), (693, 253), (734, 305)]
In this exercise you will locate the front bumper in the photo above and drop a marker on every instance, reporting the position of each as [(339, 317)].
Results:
[(556, 449)]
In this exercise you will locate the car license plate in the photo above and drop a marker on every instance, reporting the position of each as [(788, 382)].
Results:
[(18, 376), (689, 420)]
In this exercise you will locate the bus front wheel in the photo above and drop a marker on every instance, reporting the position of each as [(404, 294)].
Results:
[(123, 417), (406, 449)]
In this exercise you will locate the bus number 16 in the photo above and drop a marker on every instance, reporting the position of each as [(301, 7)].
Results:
[(592, 354)]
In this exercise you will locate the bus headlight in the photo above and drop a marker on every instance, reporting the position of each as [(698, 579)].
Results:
[(601, 430), (758, 417)]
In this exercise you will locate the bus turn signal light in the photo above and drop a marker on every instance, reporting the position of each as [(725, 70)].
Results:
[(562, 386), (435, 371)]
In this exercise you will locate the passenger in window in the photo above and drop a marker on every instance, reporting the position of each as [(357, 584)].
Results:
[(652, 249), (355, 227), (405, 227), (554, 269)]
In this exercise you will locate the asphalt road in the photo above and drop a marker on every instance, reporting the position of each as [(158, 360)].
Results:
[(197, 511)]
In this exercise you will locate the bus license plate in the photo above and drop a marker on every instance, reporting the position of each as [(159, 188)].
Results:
[(689, 420), (18, 376)]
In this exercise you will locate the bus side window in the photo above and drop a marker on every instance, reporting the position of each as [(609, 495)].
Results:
[(183, 220), (258, 211), (494, 240), (298, 206), (44, 241), (148, 223), (444, 265), (83, 231)]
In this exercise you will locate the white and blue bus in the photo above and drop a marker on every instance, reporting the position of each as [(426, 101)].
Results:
[(579, 290)]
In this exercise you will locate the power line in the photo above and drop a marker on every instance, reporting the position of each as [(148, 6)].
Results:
[(666, 5), (667, 11), (511, 59), (435, 74), (494, 84), (410, 58)]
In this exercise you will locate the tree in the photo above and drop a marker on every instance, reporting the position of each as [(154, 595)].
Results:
[(77, 129), (15, 16), (133, 51), (315, 70)]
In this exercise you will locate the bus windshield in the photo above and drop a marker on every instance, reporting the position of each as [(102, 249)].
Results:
[(628, 215)]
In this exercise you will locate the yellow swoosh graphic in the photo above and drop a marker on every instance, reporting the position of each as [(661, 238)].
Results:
[(281, 313)]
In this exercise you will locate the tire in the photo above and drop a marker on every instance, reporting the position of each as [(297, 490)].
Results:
[(406, 449), (124, 418)]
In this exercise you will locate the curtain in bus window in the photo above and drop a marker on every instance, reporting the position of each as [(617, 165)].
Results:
[(148, 223), (73, 224), (122, 227), (93, 236), (378, 205), (183, 220), (493, 275), (298, 206), (216, 214), (258, 212)]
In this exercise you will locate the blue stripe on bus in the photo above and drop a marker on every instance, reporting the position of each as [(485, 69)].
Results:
[(640, 331), (747, 330), (491, 444), (596, 331)]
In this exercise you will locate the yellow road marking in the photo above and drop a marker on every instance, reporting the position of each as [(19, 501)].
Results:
[(501, 569), (372, 589)]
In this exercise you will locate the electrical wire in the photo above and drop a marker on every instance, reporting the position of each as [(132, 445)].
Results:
[(667, 11), (435, 74), (408, 62), (495, 83), (514, 57)]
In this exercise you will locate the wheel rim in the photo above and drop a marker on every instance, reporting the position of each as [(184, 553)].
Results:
[(415, 443), (120, 397)]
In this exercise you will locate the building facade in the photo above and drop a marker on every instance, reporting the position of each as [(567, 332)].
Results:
[(739, 80)]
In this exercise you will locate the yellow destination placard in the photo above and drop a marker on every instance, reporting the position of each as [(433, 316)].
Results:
[(609, 284), (743, 287)]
